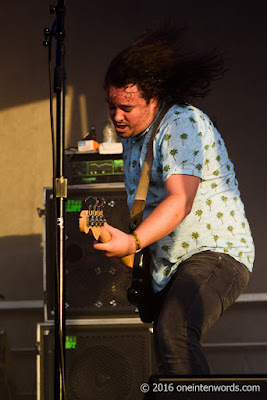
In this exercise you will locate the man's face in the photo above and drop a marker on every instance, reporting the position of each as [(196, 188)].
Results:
[(129, 111)]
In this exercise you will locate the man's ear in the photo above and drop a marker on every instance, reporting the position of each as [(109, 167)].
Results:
[(155, 102)]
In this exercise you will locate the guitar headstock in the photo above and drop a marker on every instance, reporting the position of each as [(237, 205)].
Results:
[(92, 219)]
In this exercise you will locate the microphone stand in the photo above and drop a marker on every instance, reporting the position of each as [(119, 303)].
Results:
[(59, 196)]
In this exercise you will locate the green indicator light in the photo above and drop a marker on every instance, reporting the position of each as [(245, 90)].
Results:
[(73, 205), (71, 342), (89, 179), (118, 166)]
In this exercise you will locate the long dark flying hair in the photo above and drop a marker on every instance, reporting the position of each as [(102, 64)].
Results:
[(158, 64)]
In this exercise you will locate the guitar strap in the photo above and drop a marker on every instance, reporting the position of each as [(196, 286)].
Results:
[(141, 192), (141, 292)]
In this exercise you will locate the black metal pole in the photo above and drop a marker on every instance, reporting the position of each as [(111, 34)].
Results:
[(60, 195)]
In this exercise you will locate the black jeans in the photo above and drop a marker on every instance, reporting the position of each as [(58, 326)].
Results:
[(203, 287)]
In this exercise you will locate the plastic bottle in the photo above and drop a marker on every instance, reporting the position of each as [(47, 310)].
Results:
[(109, 133)]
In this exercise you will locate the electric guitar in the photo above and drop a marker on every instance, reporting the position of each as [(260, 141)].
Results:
[(92, 222)]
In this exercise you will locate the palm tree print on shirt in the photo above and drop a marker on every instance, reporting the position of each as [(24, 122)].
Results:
[(192, 120), (224, 199), (172, 234), (166, 168), (185, 246), (215, 237), (183, 136), (231, 229), (220, 216), (167, 138), (218, 158), (208, 226), (214, 186), (199, 213), (173, 152), (195, 153), (232, 213), (198, 167), (243, 240), (195, 236), (166, 248), (244, 226), (183, 163), (209, 203), (177, 119)]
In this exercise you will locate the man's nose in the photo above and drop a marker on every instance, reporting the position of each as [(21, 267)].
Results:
[(118, 115)]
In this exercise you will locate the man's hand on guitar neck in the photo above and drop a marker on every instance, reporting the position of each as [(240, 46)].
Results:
[(121, 244)]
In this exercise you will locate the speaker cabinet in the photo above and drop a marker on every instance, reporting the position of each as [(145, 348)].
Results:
[(94, 283), (104, 359)]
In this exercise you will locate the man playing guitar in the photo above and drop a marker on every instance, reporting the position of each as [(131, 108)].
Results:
[(194, 223)]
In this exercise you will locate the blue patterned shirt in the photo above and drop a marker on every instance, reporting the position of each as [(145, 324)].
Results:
[(188, 143)]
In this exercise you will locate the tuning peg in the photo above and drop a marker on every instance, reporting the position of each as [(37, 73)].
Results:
[(101, 202), (91, 202)]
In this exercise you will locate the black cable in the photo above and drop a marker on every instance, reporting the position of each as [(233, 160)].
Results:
[(51, 100)]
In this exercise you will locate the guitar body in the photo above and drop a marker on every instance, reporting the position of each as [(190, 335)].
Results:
[(135, 291), (141, 293)]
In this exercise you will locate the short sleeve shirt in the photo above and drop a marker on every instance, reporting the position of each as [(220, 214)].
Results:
[(188, 143)]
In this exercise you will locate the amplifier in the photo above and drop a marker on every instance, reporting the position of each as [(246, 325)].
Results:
[(94, 284), (92, 167), (104, 359)]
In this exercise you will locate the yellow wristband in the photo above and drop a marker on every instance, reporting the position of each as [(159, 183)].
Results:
[(137, 242)]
